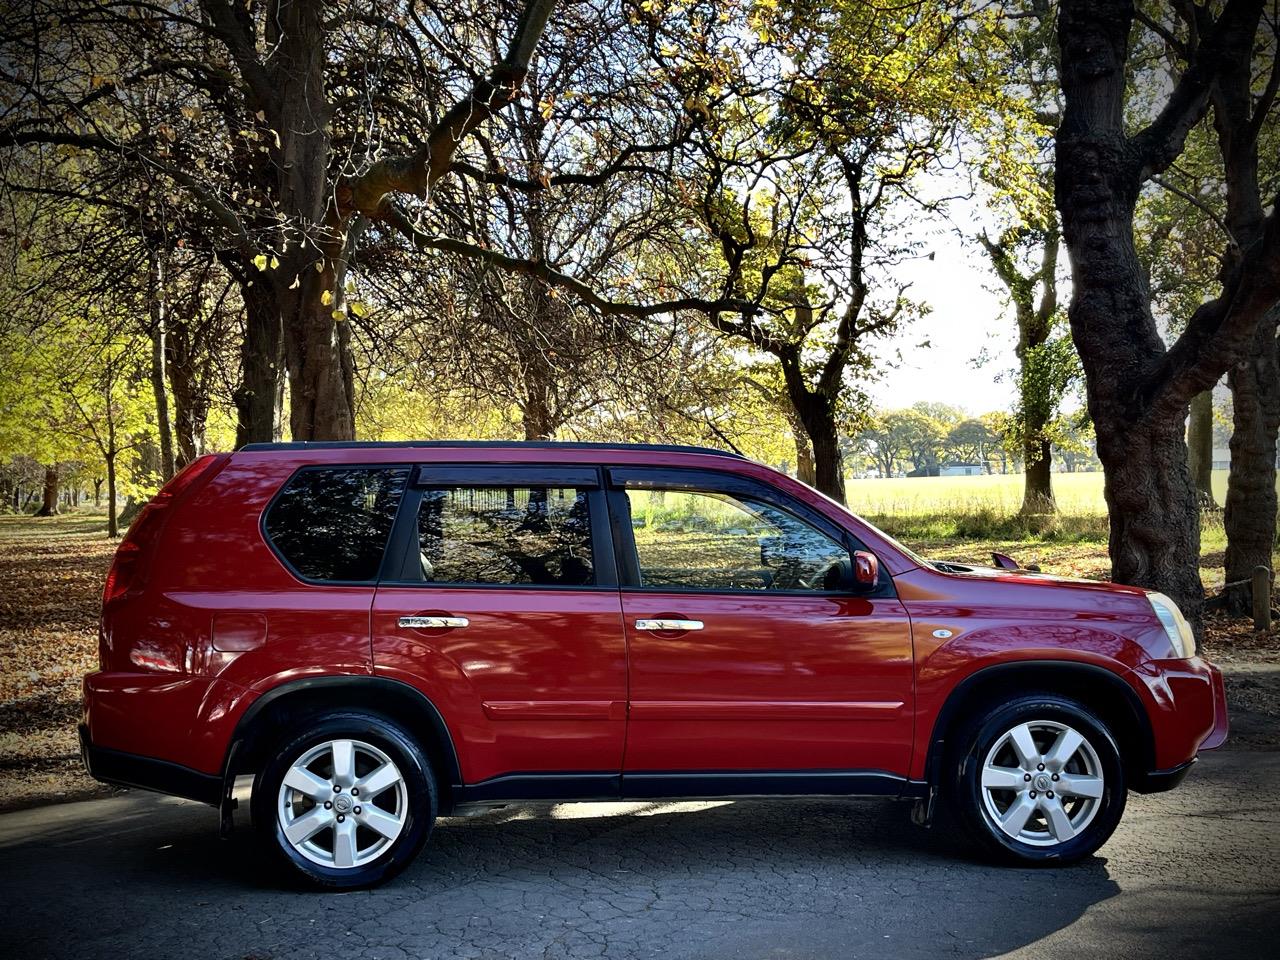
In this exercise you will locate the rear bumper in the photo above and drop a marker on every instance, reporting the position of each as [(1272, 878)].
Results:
[(133, 770), (1158, 781)]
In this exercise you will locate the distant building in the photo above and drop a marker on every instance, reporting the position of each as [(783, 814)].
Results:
[(962, 470), (1222, 458)]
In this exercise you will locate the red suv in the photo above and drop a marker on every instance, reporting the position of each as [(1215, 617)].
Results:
[(384, 633)]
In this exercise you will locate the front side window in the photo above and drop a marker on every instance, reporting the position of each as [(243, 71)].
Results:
[(715, 541), (505, 536), (333, 523)]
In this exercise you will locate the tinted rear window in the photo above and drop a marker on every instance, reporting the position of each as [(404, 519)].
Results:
[(333, 523), (513, 535)]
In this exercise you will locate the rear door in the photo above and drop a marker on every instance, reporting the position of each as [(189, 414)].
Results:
[(501, 604), (751, 669)]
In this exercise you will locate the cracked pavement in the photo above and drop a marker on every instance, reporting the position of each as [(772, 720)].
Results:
[(1190, 873)]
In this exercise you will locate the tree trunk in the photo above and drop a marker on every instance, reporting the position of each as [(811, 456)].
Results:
[(1154, 518), (50, 506), (261, 377), (817, 417), (536, 416), (1250, 512), (190, 404), (159, 389), (1037, 488), (806, 470), (97, 491), (816, 413), (318, 356), (113, 521), (1200, 447), (828, 459), (310, 280), (537, 407)]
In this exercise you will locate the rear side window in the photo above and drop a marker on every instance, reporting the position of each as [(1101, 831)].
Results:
[(504, 536), (333, 523)]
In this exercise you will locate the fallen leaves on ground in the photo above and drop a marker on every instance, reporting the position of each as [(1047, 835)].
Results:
[(51, 573)]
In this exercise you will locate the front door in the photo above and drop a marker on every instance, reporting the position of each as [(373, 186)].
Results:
[(505, 612), (754, 667)]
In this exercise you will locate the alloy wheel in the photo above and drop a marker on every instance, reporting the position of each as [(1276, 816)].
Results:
[(1042, 783), (342, 803)]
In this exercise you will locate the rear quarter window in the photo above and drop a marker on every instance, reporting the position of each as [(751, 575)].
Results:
[(332, 523)]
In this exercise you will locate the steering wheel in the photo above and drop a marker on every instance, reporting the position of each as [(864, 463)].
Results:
[(819, 580)]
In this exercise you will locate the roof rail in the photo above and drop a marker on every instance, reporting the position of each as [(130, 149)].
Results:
[(482, 444)]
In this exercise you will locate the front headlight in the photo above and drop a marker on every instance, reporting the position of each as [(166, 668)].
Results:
[(1175, 625)]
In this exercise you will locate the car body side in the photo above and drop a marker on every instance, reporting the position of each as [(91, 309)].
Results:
[(222, 629)]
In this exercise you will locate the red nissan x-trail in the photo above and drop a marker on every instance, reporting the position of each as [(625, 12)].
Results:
[(382, 633)]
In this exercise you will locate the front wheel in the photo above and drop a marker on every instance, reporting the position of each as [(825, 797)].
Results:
[(1038, 780), (347, 803)]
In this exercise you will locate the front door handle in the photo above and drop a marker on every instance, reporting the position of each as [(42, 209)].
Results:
[(668, 626), (433, 623)]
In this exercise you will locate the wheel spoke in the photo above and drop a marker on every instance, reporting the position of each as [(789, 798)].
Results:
[(384, 823), (1079, 785), (308, 825), (1063, 750), (1016, 817), (1002, 778), (344, 843), (374, 783), (308, 784), (1059, 823), (344, 763), (1025, 746)]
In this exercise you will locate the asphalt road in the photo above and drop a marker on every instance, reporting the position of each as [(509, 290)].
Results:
[(1190, 873)]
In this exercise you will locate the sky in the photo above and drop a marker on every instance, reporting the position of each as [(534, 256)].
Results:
[(967, 318)]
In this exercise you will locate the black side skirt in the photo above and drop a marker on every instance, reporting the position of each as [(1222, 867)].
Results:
[(655, 785)]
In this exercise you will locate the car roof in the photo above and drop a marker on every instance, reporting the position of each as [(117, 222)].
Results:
[(304, 445)]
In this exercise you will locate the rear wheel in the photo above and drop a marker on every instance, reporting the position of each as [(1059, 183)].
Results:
[(1038, 780), (347, 803)]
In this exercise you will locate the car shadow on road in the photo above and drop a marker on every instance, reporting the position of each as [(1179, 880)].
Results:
[(732, 879)]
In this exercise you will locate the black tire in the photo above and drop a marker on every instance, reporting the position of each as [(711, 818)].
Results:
[(420, 799), (964, 793)]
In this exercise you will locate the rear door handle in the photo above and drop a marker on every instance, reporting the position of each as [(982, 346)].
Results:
[(433, 623), (668, 626)]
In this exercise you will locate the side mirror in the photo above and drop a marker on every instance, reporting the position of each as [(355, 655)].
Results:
[(866, 569)]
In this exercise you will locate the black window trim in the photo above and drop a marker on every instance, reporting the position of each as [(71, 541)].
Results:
[(698, 480), (401, 560), (386, 547)]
